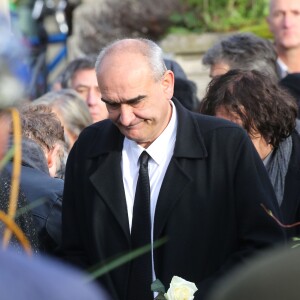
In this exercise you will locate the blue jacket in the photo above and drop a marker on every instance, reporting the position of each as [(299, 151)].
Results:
[(37, 185)]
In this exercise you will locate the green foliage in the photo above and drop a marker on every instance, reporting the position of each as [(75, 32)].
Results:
[(295, 242), (101, 269), (261, 29), (218, 15)]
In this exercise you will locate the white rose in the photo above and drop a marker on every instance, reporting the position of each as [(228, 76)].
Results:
[(180, 289)]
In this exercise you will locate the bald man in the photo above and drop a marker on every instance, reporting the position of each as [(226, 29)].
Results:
[(284, 23), (203, 193)]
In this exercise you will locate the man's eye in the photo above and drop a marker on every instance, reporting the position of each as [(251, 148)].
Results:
[(136, 103), (113, 105), (81, 91), (278, 14)]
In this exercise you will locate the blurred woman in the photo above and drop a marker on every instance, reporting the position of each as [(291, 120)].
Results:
[(268, 114), (71, 110)]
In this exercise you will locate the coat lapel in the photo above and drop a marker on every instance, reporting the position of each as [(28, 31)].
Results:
[(189, 145), (171, 191), (107, 180)]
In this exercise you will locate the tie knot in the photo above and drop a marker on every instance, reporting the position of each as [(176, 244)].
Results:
[(144, 157)]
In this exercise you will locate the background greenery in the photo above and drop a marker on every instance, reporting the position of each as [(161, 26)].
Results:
[(221, 16)]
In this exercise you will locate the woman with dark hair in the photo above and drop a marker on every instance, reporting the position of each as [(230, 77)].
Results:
[(268, 114)]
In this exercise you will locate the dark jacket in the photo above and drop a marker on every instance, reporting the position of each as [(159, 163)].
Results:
[(291, 82), (209, 205), (37, 185), (25, 220), (290, 206)]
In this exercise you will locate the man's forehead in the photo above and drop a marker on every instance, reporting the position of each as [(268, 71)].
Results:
[(284, 5), (122, 60), (85, 77)]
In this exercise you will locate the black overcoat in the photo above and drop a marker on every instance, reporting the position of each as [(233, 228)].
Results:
[(209, 206)]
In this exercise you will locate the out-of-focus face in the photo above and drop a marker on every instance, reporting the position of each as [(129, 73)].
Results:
[(219, 68), (261, 146), (223, 113), (284, 23), (85, 83), (138, 105)]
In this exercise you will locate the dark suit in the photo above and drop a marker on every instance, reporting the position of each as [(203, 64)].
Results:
[(208, 206)]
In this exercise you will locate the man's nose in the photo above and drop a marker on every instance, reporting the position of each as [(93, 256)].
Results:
[(288, 20), (93, 97), (126, 115)]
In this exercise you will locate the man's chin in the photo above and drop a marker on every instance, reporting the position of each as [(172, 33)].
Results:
[(290, 43)]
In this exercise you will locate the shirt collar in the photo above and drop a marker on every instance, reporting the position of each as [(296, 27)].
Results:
[(283, 68)]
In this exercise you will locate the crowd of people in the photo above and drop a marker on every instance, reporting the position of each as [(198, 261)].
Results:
[(120, 156)]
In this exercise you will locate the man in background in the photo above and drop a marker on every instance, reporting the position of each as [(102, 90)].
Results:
[(284, 23), (80, 75), (244, 51)]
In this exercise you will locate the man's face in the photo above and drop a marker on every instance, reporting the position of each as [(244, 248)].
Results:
[(219, 68), (137, 104), (284, 23), (85, 83)]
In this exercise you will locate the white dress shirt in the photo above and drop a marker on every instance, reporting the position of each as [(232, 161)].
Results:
[(283, 68), (160, 151)]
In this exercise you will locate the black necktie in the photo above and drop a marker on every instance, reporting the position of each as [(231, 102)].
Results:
[(140, 278)]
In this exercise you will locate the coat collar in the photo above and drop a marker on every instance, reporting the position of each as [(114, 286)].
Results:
[(107, 139), (189, 140), (108, 182)]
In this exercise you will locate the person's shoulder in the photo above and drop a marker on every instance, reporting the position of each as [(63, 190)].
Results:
[(98, 138), (35, 175), (101, 128), (39, 185), (296, 142), (211, 130)]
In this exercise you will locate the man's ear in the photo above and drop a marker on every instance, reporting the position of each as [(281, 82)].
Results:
[(168, 81)]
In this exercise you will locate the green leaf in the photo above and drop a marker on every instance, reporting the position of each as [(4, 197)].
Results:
[(97, 272), (157, 286), (8, 156), (30, 206)]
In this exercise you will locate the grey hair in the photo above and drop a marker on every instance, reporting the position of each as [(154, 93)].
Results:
[(78, 64), (244, 51), (150, 50), (61, 160), (71, 107)]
